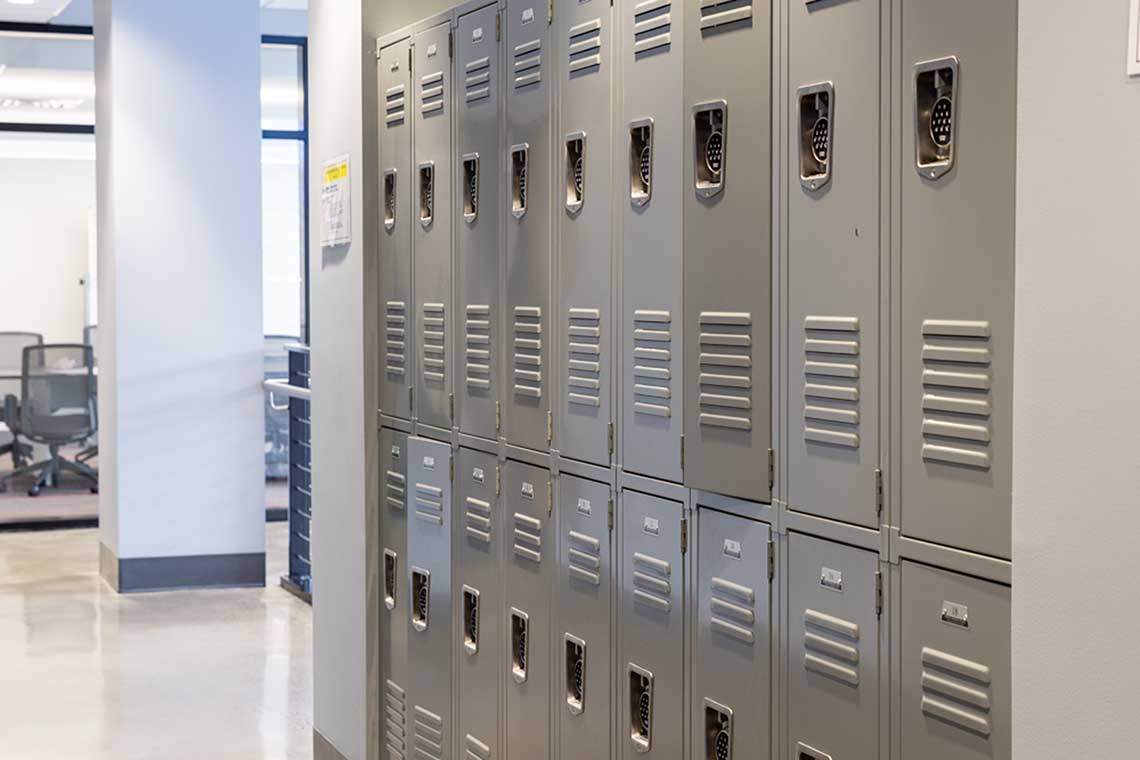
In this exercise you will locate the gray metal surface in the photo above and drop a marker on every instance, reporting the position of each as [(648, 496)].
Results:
[(955, 666), (478, 201), (584, 193), (432, 223), (727, 234), (397, 341), (731, 699), (528, 323), (652, 619), (429, 592), (650, 116), (395, 587), (584, 646), (833, 662), (956, 310), (834, 251)]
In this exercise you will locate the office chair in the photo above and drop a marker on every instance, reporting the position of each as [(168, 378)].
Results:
[(56, 408), (276, 367), (12, 346), (90, 333)]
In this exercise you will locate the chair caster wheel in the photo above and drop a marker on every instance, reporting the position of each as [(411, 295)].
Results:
[(95, 489), (34, 491)]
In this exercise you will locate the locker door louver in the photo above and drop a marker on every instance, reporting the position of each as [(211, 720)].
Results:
[(831, 381), (831, 647), (583, 357), (732, 609), (956, 399), (717, 13), (394, 108), (395, 490), (434, 342), (476, 750), (395, 338), (395, 721), (479, 346), (429, 503), (652, 26), (528, 351), (528, 64), (478, 520), (584, 558), (653, 363), (477, 83), (528, 538), (428, 738), (651, 585), (726, 370), (431, 93), (585, 47), (956, 691)]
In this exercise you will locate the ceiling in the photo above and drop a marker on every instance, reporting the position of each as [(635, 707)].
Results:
[(79, 12)]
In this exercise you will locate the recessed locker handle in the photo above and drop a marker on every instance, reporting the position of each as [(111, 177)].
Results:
[(470, 187), (804, 752), (520, 645), (710, 147), (421, 599), (427, 193), (718, 731), (641, 161), (575, 171), (520, 158), (575, 675), (817, 125), (640, 708), (935, 116), (470, 621), (390, 569), (389, 198)]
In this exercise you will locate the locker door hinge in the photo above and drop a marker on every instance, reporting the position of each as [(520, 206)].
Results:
[(878, 593), (450, 43), (498, 27), (682, 453), (451, 407), (411, 398), (498, 480), (879, 491), (684, 535), (498, 417), (409, 60), (549, 498), (610, 438), (771, 469), (378, 50), (451, 469), (771, 560), (549, 12), (549, 426), (610, 513)]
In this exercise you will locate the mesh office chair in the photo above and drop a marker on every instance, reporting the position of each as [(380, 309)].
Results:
[(56, 408), (90, 333), (12, 345)]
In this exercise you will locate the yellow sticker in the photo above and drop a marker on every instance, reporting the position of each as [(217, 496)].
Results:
[(333, 173)]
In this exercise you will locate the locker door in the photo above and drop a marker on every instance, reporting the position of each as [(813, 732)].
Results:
[(651, 668), (432, 236), (398, 337), (585, 228), (478, 601), (394, 610), (528, 198), (652, 139), (960, 112), (955, 667), (728, 251), (732, 663), (834, 259), (429, 598), (833, 660), (530, 547), (478, 199), (583, 696)]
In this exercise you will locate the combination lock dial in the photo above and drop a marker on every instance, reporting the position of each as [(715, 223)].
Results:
[(645, 165), (820, 139), (714, 152), (578, 176), (942, 122), (644, 714), (723, 745)]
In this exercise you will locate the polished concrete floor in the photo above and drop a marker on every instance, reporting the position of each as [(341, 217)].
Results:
[(88, 673)]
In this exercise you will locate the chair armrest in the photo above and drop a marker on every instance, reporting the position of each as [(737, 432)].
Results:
[(11, 413)]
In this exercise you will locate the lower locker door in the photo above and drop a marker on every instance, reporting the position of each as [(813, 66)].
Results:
[(394, 607)]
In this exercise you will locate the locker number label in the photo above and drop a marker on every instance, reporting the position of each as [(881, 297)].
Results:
[(527, 16), (429, 463), (584, 507), (395, 452), (528, 490), (733, 549), (652, 526), (956, 614), (831, 579), (477, 475), (432, 50), (477, 34)]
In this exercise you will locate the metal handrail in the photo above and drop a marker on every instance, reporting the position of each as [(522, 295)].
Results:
[(286, 389)]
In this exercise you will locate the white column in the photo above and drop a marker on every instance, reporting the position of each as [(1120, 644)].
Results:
[(179, 223)]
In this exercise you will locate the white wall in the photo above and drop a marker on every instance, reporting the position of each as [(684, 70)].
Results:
[(1076, 602)]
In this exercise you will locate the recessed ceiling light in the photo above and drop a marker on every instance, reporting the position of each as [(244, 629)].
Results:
[(22, 2)]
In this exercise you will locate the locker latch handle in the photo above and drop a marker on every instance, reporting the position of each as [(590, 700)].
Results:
[(421, 599), (804, 752), (427, 193), (817, 126), (575, 674), (640, 708), (935, 116), (389, 198), (519, 159), (718, 731), (520, 644), (470, 620), (470, 187), (390, 564), (640, 161), (575, 171), (710, 147)]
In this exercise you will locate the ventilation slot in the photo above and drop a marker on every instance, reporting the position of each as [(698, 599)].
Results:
[(652, 26), (478, 517), (528, 351), (583, 357), (651, 585), (395, 721), (733, 610), (395, 489), (394, 100), (429, 504), (726, 370), (584, 558), (528, 64), (652, 363), (428, 740), (528, 538), (956, 398), (956, 691), (476, 750), (434, 342), (395, 338), (717, 13), (831, 647), (831, 381), (585, 47), (477, 84), (478, 346), (431, 93)]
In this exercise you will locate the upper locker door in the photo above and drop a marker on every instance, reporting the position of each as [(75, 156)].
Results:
[(834, 246), (394, 612), (432, 237), (583, 192), (652, 138), (728, 251), (527, 320), (478, 158), (398, 334)]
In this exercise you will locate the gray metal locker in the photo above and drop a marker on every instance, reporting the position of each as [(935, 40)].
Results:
[(527, 339), (478, 536), (583, 695), (650, 150), (398, 339), (732, 656), (834, 244), (833, 699), (429, 599), (394, 610), (651, 628), (530, 548), (479, 161), (958, 168), (585, 229), (728, 250), (955, 668), (432, 241)]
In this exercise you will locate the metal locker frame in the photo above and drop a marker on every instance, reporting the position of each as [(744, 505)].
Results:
[(650, 252), (393, 629), (397, 343), (433, 233), (478, 198), (727, 233)]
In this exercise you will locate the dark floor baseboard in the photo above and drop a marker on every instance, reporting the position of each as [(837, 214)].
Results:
[(137, 574), (20, 526)]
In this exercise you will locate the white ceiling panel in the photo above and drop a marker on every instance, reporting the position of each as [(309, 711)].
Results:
[(32, 11)]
